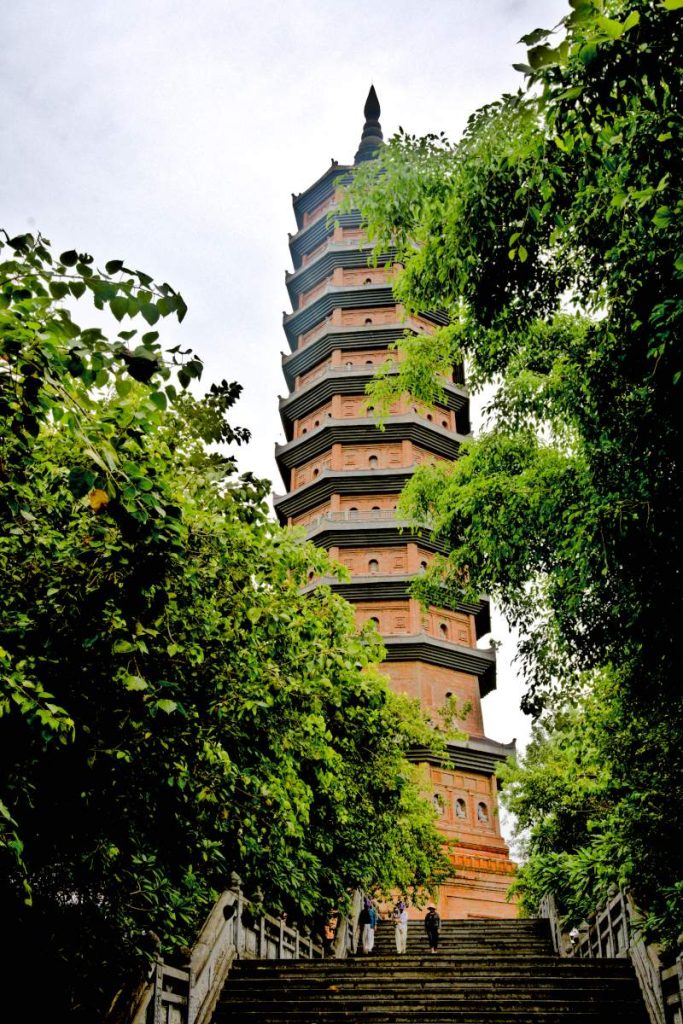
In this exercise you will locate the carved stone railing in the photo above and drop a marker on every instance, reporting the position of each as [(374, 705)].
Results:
[(353, 516), (233, 930), (613, 932)]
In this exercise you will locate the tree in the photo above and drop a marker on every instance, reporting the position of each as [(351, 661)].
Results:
[(173, 707), (589, 814), (551, 236)]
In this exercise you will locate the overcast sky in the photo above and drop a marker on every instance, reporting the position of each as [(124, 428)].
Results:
[(172, 133)]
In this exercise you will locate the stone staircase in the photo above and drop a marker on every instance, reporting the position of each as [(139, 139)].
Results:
[(485, 971)]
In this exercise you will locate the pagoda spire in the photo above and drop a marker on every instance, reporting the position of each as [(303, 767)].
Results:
[(372, 137)]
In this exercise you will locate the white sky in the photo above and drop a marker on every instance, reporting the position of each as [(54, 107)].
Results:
[(171, 134)]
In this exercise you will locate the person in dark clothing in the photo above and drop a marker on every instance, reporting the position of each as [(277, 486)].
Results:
[(368, 921), (432, 927)]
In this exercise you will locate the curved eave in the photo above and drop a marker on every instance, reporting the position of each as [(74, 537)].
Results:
[(335, 337), (330, 531), (319, 191), (352, 382), (313, 235), (397, 588), (373, 481), (349, 259), (363, 431), (477, 754), (425, 648), (335, 297)]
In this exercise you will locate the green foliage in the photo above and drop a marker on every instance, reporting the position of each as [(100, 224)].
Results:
[(173, 708), (551, 235), (594, 799)]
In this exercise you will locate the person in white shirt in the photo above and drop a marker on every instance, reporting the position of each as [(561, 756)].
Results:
[(400, 918)]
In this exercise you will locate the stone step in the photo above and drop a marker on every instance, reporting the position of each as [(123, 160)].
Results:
[(412, 976), (518, 924), (466, 940), (369, 998), (529, 930), (387, 935), (462, 948), (374, 965), (512, 983), (605, 1013), (484, 973), (601, 1015)]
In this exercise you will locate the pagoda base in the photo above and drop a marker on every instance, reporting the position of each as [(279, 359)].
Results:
[(477, 890)]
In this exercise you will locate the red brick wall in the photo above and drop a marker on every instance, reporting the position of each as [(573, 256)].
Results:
[(432, 685)]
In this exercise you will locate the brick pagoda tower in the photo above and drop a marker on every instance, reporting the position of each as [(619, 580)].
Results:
[(343, 478)]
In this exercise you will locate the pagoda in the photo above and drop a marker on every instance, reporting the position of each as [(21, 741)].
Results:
[(343, 478)]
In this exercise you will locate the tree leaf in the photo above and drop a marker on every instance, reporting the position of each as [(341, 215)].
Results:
[(536, 36), (98, 499), (80, 481), (612, 28), (119, 306), (123, 647), (150, 312), (135, 683), (166, 705), (58, 289)]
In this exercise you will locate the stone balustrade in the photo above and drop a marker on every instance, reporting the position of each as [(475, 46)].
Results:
[(612, 931), (235, 929)]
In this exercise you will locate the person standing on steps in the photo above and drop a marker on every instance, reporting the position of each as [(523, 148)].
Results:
[(432, 927), (329, 930), (400, 919), (367, 919)]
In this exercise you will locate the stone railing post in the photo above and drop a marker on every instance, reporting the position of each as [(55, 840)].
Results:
[(257, 901), (613, 892), (158, 1011), (236, 883), (548, 911)]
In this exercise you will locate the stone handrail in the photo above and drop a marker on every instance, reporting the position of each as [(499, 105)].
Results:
[(233, 930), (613, 932)]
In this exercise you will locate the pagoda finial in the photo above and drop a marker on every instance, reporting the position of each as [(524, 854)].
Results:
[(372, 137)]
